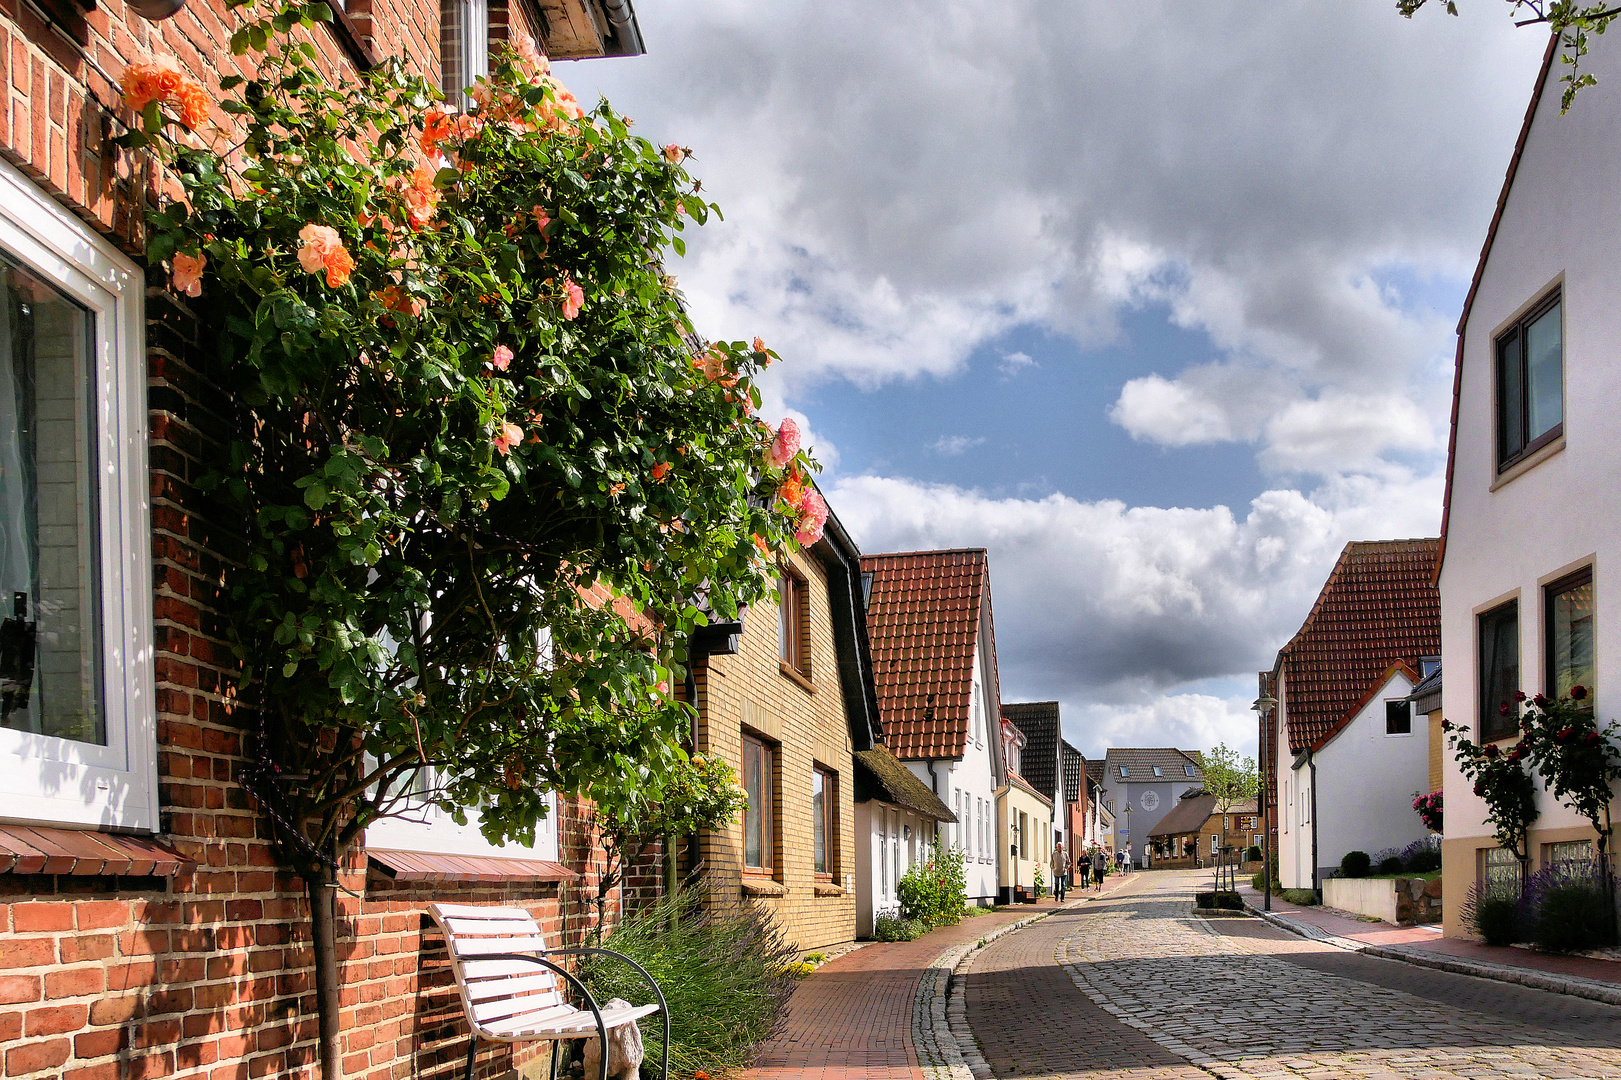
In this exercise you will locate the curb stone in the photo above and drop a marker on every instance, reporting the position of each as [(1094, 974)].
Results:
[(1571, 985)]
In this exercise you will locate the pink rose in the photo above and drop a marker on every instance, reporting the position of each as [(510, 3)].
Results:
[(542, 219), (188, 273), (814, 519), (507, 437), (784, 445), (573, 299), (320, 248), (502, 358), (674, 154)]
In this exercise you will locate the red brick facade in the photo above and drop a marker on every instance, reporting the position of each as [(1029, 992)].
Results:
[(207, 974)]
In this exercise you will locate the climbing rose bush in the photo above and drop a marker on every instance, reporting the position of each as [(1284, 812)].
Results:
[(488, 475)]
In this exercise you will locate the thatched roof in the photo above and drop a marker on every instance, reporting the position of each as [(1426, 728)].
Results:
[(880, 775)]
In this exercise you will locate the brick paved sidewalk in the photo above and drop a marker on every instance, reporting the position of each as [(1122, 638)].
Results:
[(1415, 937)]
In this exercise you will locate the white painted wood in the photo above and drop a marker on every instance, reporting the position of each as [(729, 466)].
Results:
[(473, 911), (513, 1000)]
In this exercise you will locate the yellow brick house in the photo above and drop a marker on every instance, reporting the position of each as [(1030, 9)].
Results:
[(787, 697)]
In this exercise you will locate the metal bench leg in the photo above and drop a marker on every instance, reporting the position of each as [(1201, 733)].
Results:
[(472, 1053)]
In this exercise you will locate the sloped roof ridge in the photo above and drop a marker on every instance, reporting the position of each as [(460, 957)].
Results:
[(1352, 549), (1474, 287), (927, 552)]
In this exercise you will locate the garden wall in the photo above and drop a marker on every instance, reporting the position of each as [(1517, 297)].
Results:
[(1401, 901)]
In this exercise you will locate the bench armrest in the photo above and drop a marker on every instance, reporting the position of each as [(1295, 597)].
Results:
[(664, 1009)]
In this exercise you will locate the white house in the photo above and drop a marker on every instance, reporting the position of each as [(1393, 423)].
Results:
[(1140, 786), (1532, 525), (897, 820), (934, 661), (1348, 754)]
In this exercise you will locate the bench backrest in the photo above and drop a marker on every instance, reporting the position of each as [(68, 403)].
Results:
[(493, 990)]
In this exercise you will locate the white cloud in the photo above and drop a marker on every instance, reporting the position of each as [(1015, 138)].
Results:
[(1014, 362), (1187, 721), (953, 445), (1155, 409), (1111, 607)]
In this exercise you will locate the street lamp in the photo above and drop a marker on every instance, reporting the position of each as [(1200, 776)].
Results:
[(1264, 706)]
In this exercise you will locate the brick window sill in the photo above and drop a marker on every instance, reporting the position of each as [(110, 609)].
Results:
[(796, 676), (828, 888), (763, 886)]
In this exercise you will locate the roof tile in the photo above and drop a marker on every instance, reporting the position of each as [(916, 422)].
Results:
[(1379, 607), (923, 620)]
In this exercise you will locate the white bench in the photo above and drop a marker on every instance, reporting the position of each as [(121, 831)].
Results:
[(509, 987)]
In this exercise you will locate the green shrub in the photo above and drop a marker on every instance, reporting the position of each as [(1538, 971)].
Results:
[(1356, 864), (725, 970), (1423, 862), (1565, 909), (1300, 897), (934, 891), (1253, 854), (1391, 865), (895, 928), (1223, 900), (1497, 920)]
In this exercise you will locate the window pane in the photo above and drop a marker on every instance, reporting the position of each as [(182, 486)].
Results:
[(1572, 855), (819, 820), (50, 677), (785, 619), (754, 817), (1570, 639), (1510, 397), (1398, 718), (1499, 671), (1544, 372), (1501, 871)]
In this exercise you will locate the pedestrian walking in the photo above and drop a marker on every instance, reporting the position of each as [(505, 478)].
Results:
[(1083, 870), (1097, 869), (1060, 872)]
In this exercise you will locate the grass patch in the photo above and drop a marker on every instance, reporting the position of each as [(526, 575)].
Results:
[(1429, 875)]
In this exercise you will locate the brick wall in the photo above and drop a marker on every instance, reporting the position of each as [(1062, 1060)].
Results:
[(808, 727), (207, 975)]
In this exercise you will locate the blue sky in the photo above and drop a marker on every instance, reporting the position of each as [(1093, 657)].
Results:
[(1154, 308)]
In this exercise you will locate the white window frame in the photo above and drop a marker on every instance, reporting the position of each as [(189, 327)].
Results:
[(46, 780), (424, 829)]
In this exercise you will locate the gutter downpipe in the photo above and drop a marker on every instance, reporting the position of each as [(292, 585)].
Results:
[(623, 19), (1316, 884), (934, 781)]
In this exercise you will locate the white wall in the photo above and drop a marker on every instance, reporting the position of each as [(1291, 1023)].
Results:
[(1366, 781), (889, 839), (1562, 220)]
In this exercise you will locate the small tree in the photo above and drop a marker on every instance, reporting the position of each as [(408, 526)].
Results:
[(487, 477), (1578, 760), (699, 795), (1570, 20), (1504, 783), (1231, 779)]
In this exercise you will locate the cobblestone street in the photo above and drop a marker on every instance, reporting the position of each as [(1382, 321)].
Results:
[(1135, 986)]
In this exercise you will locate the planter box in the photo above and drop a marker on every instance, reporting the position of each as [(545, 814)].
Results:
[(1402, 901)]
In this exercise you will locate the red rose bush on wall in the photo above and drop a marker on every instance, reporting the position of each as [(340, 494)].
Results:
[(487, 489)]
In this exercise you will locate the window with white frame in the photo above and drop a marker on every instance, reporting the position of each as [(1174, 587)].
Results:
[(422, 827), (77, 724)]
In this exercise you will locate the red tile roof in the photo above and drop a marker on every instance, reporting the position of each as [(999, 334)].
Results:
[(923, 616), (1378, 608)]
